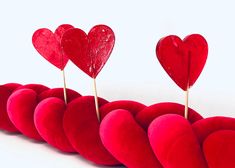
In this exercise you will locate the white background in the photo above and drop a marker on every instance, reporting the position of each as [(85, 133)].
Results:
[(132, 72)]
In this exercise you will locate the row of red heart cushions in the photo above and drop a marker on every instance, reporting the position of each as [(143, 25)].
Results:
[(123, 132), (38, 113), (174, 141), (206, 143), (38, 88), (21, 110), (119, 104), (115, 104)]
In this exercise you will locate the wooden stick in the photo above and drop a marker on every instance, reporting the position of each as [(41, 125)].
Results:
[(186, 103), (96, 99), (65, 93)]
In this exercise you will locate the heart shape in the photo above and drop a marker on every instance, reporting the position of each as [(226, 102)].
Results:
[(174, 142), (219, 149), (82, 129), (48, 45), (20, 109), (89, 52), (126, 140), (48, 117), (183, 60)]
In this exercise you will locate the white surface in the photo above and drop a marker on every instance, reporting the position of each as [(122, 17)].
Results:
[(132, 72), (18, 151)]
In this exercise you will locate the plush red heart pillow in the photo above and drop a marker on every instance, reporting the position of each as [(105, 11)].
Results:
[(174, 142), (5, 91), (219, 149), (207, 126), (126, 140), (20, 109), (48, 117), (148, 114), (22, 103), (132, 106), (81, 126), (38, 88)]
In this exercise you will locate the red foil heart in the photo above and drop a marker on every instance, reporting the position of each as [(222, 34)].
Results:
[(183, 60), (48, 44), (89, 52)]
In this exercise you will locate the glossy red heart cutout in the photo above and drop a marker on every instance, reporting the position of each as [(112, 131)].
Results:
[(174, 142), (48, 44), (203, 128), (126, 140), (5, 92), (148, 114), (219, 149), (81, 126), (183, 60), (89, 52)]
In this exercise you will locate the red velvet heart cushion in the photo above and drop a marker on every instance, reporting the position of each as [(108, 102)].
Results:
[(207, 126), (38, 88), (20, 108), (148, 114), (5, 91), (219, 149), (132, 106), (81, 126), (126, 140), (48, 117), (174, 142)]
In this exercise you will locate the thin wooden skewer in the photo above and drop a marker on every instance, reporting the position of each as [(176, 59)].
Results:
[(186, 103), (187, 91), (65, 93), (96, 99)]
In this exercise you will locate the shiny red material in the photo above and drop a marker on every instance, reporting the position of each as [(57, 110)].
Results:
[(48, 45), (89, 52), (183, 60)]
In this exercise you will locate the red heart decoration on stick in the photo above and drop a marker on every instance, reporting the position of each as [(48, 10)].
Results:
[(48, 44), (89, 52), (183, 60)]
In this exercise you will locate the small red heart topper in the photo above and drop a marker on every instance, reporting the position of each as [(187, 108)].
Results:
[(48, 44), (89, 52), (183, 60)]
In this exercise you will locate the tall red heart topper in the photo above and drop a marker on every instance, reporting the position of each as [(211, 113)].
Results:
[(183, 60), (48, 45), (89, 52)]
